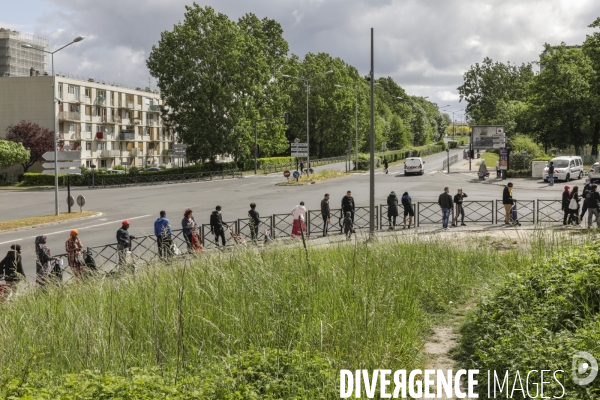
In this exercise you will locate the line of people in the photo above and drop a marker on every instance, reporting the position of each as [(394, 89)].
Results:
[(588, 202)]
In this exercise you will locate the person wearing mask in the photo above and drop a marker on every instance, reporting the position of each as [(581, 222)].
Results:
[(507, 201), (189, 226), (254, 222), (566, 199), (325, 213), (551, 174), (163, 233), (11, 267), (385, 165), (591, 201), (586, 189), (299, 215), (73, 246), (458, 207), (44, 262), (392, 203), (123, 241), (408, 209), (348, 204), (445, 203), (217, 227), (574, 206), (348, 225)]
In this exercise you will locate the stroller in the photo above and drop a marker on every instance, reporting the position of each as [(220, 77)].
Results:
[(513, 218), (482, 176), (237, 238)]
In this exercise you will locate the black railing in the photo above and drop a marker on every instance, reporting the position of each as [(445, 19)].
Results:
[(549, 211), (525, 211), (430, 213), (383, 218), (478, 211), (453, 160)]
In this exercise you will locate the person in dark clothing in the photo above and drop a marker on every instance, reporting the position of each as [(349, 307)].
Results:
[(348, 225), (551, 173), (385, 165), (11, 267), (586, 189), (458, 207), (592, 204), (189, 226), (301, 167), (566, 199), (408, 210), (574, 212), (348, 204), (507, 201), (392, 202), (325, 213), (217, 226), (163, 233), (123, 241), (445, 203), (254, 221)]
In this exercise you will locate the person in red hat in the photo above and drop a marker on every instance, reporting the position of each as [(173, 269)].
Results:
[(566, 199), (123, 241)]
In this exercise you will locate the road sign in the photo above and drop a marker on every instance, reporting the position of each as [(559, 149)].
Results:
[(125, 163), (179, 146), (299, 154), (80, 201), (296, 174), (299, 145), (296, 140), (498, 136), (62, 156), (73, 171), (62, 164), (498, 146), (70, 201), (286, 173), (499, 141)]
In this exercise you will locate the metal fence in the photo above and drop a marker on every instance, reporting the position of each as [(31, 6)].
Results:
[(268, 169), (479, 211), (549, 211), (157, 179), (430, 213), (383, 209), (453, 160), (525, 211)]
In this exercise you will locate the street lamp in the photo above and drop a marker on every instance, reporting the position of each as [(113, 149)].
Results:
[(306, 82), (54, 100), (453, 122)]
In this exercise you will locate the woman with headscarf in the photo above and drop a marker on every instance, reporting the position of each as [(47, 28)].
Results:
[(11, 267), (44, 261), (73, 247), (299, 213), (189, 225), (482, 170)]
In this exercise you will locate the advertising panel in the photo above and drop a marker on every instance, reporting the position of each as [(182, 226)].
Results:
[(487, 136)]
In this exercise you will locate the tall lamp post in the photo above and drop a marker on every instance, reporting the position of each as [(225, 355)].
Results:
[(453, 121), (306, 82), (54, 101)]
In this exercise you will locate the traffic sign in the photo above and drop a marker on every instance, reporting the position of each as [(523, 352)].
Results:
[(498, 135), (62, 164), (296, 174), (286, 173), (296, 140), (80, 201), (299, 145), (70, 201), (179, 146), (499, 141), (299, 154), (73, 171), (498, 146), (62, 156)]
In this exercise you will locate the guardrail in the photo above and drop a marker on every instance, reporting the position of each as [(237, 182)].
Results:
[(269, 169), (145, 250), (155, 179), (453, 160)]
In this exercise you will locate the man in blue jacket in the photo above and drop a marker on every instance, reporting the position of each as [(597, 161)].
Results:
[(162, 231)]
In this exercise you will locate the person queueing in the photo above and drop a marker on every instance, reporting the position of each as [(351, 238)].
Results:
[(325, 213), (445, 203), (507, 201), (392, 203), (163, 233), (566, 199), (348, 205), (348, 225), (458, 207), (385, 165), (11, 267), (217, 227), (574, 206), (254, 222), (44, 262), (586, 190), (73, 246), (299, 215), (592, 205), (189, 226), (408, 209), (123, 242)]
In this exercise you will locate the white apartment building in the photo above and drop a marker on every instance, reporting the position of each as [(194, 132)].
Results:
[(110, 125)]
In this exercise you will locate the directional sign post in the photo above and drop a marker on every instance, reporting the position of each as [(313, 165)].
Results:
[(59, 166), (299, 149), (80, 202)]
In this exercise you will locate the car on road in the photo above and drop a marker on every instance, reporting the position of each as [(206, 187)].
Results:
[(594, 174), (565, 168), (152, 169), (414, 165)]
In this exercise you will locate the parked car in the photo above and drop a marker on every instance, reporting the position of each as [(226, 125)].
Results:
[(152, 169), (594, 173), (414, 165), (565, 168), (115, 171)]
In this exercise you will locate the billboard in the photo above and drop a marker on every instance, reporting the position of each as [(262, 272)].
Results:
[(488, 137), (503, 162)]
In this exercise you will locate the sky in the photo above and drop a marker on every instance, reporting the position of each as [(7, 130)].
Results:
[(424, 45)]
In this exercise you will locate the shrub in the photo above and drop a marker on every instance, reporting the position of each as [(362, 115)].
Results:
[(364, 161), (119, 167), (519, 143), (519, 173), (162, 166)]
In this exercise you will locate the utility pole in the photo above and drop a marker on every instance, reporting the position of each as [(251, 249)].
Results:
[(372, 164)]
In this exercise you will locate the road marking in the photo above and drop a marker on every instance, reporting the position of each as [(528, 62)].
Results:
[(432, 172), (69, 230), (249, 184)]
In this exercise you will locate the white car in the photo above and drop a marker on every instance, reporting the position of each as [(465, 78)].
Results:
[(594, 174), (565, 168), (414, 165)]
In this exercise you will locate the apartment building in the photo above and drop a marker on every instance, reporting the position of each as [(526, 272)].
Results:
[(110, 125), (16, 60)]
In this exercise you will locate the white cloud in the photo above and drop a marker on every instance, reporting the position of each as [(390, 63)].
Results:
[(447, 95)]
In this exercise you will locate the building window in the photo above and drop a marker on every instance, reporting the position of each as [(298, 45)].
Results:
[(88, 127), (88, 163), (88, 92), (88, 145), (72, 89), (71, 127), (102, 163), (99, 146), (60, 90), (101, 128)]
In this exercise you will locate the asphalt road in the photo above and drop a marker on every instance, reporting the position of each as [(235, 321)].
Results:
[(141, 205)]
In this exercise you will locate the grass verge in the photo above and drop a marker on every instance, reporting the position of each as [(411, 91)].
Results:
[(263, 324), (316, 177), (490, 159), (21, 186), (43, 219)]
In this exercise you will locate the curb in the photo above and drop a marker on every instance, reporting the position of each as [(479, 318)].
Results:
[(99, 214)]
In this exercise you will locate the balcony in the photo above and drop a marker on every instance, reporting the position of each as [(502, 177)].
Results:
[(73, 98), (151, 152), (69, 115), (100, 100), (86, 154), (86, 135), (130, 136), (137, 121), (69, 136), (117, 119), (129, 104), (102, 136), (107, 119), (110, 153), (125, 154), (135, 152), (87, 100), (153, 107), (152, 122)]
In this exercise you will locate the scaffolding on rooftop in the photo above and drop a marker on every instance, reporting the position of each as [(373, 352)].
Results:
[(16, 60)]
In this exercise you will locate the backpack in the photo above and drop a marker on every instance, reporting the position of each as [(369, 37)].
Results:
[(589, 199)]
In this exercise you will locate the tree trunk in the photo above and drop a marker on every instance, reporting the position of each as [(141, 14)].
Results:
[(595, 137)]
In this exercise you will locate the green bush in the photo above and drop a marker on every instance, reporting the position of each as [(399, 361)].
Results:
[(544, 158), (538, 319), (364, 161), (442, 144), (519, 143), (119, 167), (519, 173)]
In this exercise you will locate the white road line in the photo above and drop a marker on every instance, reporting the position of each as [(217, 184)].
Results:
[(69, 230)]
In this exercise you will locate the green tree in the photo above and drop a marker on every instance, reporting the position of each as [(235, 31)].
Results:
[(12, 153), (591, 48), (217, 77)]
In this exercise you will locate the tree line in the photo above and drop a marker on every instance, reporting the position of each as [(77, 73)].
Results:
[(557, 107), (221, 77)]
